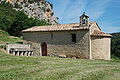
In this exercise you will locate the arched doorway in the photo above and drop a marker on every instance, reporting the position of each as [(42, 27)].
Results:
[(44, 49)]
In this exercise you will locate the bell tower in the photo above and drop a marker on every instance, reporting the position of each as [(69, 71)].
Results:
[(84, 20)]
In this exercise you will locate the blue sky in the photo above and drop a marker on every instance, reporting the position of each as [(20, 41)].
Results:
[(105, 12)]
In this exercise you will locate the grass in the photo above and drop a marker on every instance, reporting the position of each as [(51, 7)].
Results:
[(53, 68), (5, 38)]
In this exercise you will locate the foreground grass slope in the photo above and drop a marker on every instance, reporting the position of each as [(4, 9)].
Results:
[(5, 38), (52, 68)]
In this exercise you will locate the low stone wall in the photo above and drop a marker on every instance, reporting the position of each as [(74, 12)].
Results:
[(22, 53), (19, 49), (36, 47)]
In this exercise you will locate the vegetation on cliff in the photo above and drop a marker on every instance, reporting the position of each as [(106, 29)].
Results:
[(39, 9), (14, 21)]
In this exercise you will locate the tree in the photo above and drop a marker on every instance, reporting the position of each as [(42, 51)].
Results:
[(23, 22), (115, 49)]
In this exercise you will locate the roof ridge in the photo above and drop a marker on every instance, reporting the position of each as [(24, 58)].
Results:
[(58, 27)]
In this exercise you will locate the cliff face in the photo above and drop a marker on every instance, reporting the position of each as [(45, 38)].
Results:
[(39, 9)]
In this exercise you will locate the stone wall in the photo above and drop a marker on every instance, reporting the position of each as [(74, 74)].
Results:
[(9, 46), (94, 27), (36, 47), (60, 42), (100, 48)]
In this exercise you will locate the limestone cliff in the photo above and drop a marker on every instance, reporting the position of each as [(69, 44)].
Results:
[(40, 9)]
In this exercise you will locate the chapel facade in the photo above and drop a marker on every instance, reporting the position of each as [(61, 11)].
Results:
[(80, 40)]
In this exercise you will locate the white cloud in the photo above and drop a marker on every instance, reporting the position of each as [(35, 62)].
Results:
[(69, 10), (111, 29), (60, 6), (96, 8)]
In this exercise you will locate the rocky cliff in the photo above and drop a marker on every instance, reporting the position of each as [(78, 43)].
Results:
[(40, 9)]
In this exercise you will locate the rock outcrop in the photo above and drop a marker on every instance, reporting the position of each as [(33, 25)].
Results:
[(40, 9)]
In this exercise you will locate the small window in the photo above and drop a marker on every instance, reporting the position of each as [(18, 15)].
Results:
[(73, 37)]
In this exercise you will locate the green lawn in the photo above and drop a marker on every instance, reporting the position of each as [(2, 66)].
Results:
[(53, 68)]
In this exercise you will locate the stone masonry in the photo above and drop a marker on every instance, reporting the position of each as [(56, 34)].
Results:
[(80, 40)]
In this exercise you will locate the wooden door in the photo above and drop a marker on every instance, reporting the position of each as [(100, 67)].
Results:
[(44, 49)]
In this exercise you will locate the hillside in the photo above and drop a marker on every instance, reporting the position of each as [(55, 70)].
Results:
[(14, 21), (6, 38), (53, 68), (116, 44), (37, 9)]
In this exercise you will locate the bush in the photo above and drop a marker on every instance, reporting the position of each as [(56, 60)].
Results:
[(2, 46)]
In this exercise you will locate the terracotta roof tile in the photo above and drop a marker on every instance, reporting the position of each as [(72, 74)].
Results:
[(58, 27), (99, 33)]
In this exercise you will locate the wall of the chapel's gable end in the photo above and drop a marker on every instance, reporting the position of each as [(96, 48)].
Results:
[(60, 42), (93, 27), (100, 47)]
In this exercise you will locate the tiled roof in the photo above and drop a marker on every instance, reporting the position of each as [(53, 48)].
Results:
[(99, 33), (58, 27)]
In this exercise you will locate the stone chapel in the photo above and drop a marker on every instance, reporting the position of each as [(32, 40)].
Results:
[(81, 40)]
